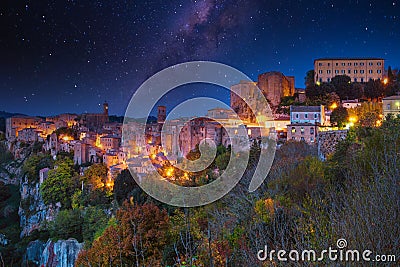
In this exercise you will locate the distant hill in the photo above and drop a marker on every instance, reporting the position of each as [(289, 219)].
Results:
[(5, 115)]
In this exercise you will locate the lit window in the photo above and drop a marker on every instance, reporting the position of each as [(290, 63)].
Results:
[(343, 64), (293, 129), (312, 130), (302, 130), (306, 116)]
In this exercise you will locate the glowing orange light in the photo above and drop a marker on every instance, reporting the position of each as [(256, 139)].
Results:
[(169, 172), (352, 119), (385, 81), (333, 106)]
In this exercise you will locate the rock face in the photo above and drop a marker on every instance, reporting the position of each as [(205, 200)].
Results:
[(32, 211), (62, 253), (33, 253)]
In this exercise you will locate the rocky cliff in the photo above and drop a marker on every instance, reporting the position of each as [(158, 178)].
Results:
[(32, 211), (62, 253)]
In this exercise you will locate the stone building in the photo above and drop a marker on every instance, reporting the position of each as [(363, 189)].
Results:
[(275, 85), (358, 69), (391, 105), (17, 123), (95, 121), (28, 135)]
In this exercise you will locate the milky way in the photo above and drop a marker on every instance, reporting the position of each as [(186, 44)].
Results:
[(70, 56)]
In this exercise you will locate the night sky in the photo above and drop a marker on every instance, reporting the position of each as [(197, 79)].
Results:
[(71, 56)]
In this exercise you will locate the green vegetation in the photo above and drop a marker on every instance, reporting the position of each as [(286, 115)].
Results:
[(60, 184)]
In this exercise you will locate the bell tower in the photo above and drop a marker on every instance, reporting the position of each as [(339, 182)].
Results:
[(105, 108)]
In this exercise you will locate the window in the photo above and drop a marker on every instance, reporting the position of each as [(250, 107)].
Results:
[(379, 63), (355, 71), (362, 71), (355, 80), (336, 71), (320, 64), (329, 64), (370, 71), (370, 63), (362, 80), (312, 130), (315, 115), (343, 71), (356, 64), (320, 71), (297, 115), (302, 138), (306, 115), (349, 71), (379, 71), (337, 64), (343, 64), (349, 64), (361, 63), (302, 130), (320, 80), (293, 138), (312, 139), (328, 80), (388, 106), (328, 71), (293, 129)]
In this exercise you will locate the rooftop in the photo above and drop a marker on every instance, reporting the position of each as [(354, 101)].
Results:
[(305, 108), (393, 97), (349, 58)]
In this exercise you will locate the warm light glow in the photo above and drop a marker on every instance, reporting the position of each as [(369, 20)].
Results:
[(333, 106), (67, 138), (353, 119), (169, 172), (152, 156), (385, 81), (318, 83)]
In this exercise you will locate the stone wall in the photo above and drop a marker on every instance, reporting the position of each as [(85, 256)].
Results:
[(327, 142)]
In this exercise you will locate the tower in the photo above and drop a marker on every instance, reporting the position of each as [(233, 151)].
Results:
[(105, 108), (161, 114)]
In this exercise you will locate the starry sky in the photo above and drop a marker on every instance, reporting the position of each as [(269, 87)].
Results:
[(71, 56)]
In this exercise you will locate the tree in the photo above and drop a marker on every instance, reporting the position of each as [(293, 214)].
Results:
[(374, 89), (126, 186), (309, 79), (342, 84), (339, 116), (60, 184), (67, 224), (136, 239), (94, 221), (96, 175)]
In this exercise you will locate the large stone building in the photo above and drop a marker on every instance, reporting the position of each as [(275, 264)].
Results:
[(275, 85), (95, 121), (17, 123), (358, 69)]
